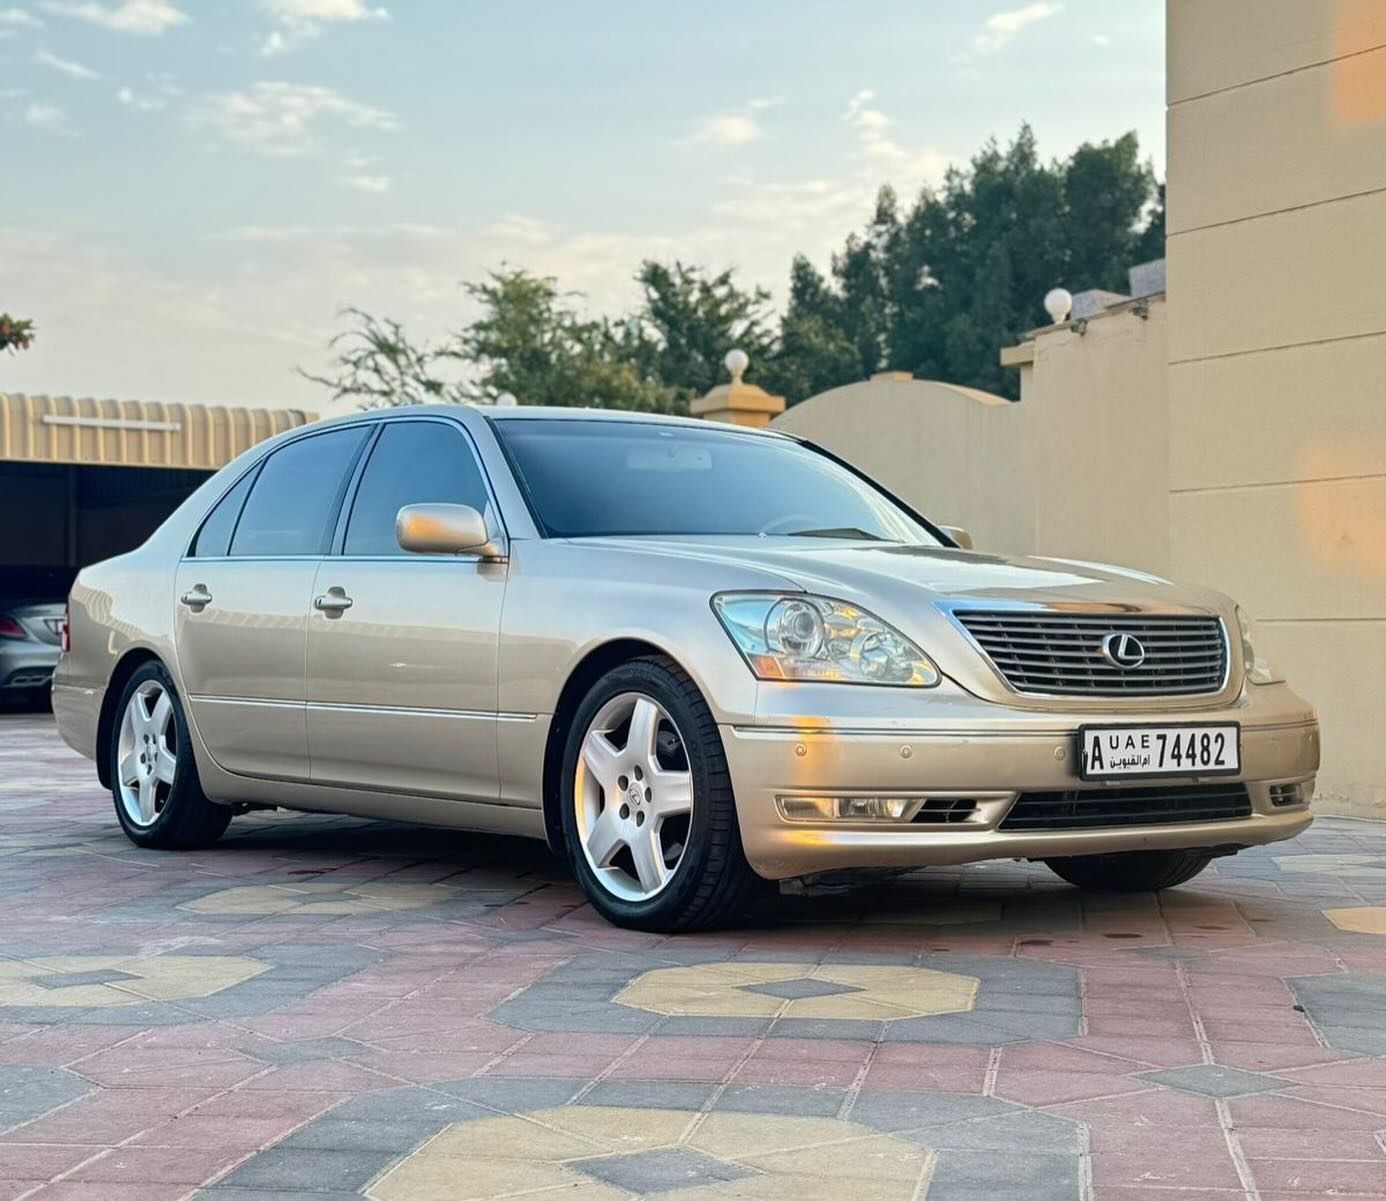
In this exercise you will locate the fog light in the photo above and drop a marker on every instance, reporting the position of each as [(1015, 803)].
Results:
[(846, 808)]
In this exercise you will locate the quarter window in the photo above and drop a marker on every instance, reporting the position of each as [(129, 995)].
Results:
[(214, 538), (413, 462), (296, 495)]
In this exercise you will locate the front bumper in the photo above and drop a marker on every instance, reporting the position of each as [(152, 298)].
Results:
[(976, 749)]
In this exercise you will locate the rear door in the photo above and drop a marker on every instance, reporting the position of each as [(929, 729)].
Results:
[(402, 648), (244, 593)]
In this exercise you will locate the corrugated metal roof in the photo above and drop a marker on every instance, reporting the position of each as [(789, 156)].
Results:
[(133, 433)]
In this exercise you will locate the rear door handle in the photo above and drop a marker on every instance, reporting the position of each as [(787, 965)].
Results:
[(334, 603), (197, 597)]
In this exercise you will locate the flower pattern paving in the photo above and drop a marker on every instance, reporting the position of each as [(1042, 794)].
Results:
[(322, 1008)]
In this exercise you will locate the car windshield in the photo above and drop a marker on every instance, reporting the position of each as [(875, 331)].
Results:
[(594, 478)]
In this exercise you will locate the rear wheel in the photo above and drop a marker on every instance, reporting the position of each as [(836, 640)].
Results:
[(158, 797), (648, 812), (1131, 871)]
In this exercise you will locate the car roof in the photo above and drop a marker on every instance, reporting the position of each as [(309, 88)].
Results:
[(556, 413)]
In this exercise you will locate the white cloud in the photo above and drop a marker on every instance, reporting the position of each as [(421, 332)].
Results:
[(1000, 28), (728, 129), (377, 185), (278, 120), (65, 65), (128, 16), (514, 227), (890, 160), (18, 18), (1101, 39), (296, 21), (145, 104), (45, 116)]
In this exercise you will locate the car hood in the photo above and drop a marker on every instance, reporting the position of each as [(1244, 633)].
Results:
[(859, 570)]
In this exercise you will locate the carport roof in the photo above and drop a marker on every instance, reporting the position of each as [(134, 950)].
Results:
[(133, 433)]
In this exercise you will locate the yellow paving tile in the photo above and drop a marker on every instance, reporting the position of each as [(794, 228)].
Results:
[(879, 1158), (512, 1138), (618, 1130), (736, 1135), (427, 1177), (154, 978), (321, 897), (1366, 919)]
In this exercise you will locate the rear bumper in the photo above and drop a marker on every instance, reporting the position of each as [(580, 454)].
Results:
[(25, 665), (992, 759)]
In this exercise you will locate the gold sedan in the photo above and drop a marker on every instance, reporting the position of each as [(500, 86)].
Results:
[(692, 657)]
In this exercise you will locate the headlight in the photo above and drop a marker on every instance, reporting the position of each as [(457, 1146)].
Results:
[(1258, 667), (801, 637)]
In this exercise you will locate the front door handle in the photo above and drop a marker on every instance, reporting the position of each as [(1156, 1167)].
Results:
[(197, 598), (334, 603)]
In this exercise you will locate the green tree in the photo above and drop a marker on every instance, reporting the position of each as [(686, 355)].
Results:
[(15, 334), (688, 320), (527, 341)]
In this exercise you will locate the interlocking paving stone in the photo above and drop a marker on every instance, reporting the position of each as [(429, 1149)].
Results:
[(795, 990), (661, 1171), (28, 1092), (407, 984), (1210, 1080)]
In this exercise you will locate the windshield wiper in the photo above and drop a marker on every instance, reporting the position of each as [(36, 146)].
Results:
[(840, 531)]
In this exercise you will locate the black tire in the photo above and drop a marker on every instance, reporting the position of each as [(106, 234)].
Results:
[(712, 885), (1132, 871), (187, 819)]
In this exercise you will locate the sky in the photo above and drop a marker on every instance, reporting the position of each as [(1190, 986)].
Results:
[(192, 190)]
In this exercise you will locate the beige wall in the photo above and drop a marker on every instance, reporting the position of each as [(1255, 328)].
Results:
[(1077, 469), (960, 456), (1277, 345)]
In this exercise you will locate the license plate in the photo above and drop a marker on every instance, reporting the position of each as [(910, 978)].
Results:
[(1116, 752)]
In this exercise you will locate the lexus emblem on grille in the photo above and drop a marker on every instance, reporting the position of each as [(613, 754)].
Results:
[(1123, 650)]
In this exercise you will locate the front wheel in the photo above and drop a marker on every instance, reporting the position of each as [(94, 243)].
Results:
[(649, 818), (1131, 871), (158, 798)]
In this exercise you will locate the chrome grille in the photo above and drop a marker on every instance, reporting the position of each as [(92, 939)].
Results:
[(1044, 651)]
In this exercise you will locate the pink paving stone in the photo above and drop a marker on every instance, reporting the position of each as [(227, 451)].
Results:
[(1271, 1057), (1360, 1073), (419, 1067), (1290, 1113), (1202, 1168), (41, 1161), (1060, 1057), (323, 1075), (158, 1165), (235, 1134), (1320, 1178), (803, 1073), (1056, 1088), (1296, 1145), (576, 1066), (1157, 1107), (109, 1117), (87, 1190), (1154, 1052), (240, 1103), (645, 1065), (1369, 1100), (827, 1050)]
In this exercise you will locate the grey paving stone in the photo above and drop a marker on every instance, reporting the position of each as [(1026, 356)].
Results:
[(1347, 1009), (661, 1170), (892, 1111), (982, 1176), (74, 979), (1009, 1132), (794, 990), (373, 1134), (307, 1169), (1211, 1080), (513, 1093), (651, 1094), (307, 1050), (28, 1092), (781, 1099)]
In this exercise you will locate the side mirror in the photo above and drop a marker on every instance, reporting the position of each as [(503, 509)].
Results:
[(959, 535), (446, 530)]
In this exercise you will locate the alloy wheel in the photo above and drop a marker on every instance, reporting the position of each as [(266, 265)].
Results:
[(147, 757), (634, 797)]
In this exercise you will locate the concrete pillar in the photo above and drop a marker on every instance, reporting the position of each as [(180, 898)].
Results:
[(737, 402)]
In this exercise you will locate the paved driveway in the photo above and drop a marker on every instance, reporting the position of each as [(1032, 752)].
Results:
[(323, 1008)]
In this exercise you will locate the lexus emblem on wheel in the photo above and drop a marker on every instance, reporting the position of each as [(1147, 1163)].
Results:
[(1123, 650)]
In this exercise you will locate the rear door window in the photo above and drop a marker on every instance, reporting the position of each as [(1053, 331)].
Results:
[(295, 498)]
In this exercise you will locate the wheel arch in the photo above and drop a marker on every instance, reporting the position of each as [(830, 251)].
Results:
[(125, 667), (588, 670)]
